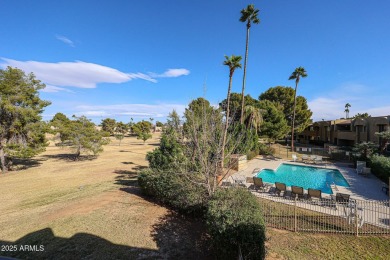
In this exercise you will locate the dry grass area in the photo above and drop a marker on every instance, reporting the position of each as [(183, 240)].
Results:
[(290, 245), (91, 208)]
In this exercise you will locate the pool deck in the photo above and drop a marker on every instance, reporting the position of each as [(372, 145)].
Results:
[(361, 187)]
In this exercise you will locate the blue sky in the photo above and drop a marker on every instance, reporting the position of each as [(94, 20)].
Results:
[(141, 59)]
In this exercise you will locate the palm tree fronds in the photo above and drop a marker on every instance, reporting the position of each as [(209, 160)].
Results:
[(249, 14)]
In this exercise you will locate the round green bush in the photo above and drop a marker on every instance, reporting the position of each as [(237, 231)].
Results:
[(235, 221)]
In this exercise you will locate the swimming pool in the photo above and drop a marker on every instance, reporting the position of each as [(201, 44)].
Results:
[(304, 176)]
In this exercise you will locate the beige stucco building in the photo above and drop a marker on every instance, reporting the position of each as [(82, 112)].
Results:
[(345, 132)]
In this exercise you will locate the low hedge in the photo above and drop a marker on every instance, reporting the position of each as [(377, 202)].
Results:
[(174, 190), (235, 221)]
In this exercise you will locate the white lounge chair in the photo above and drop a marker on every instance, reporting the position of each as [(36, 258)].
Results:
[(313, 158), (305, 158), (318, 159), (359, 166), (294, 157)]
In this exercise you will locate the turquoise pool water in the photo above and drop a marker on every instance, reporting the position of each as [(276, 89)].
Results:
[(304, 176)]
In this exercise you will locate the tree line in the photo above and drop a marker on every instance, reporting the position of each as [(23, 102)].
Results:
[(23, 132)]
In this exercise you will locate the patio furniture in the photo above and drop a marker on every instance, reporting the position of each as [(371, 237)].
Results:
[(258, 184), (313, 158), (297, 191), (318, 159), (342, 199), (359, 166), (256, 170), (249, 179), (354, 215), (239, 180), (294, 157), (366, 171), (305, 158), (313, 193), (279, 187)]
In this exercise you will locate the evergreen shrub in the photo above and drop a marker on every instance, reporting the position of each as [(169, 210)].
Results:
[(235, 221), (174, 190)]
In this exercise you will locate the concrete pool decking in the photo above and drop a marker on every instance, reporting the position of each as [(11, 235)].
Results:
[(361, 188)]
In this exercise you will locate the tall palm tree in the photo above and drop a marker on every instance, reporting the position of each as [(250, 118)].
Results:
[(233, 62), (248, 15), (253, 117), (298, 73), (347, 106)]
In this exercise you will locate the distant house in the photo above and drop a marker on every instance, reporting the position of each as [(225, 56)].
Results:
[(345, 132)]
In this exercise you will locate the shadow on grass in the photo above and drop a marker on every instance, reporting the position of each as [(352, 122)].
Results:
[(176, 236), (43, 244), (139, 166), (24, 164), (181, 237), (145, 144), (126, 151), (154, 144), (128, 179), (70, 157)]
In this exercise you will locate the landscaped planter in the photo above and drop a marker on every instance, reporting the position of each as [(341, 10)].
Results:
[(238, 161)]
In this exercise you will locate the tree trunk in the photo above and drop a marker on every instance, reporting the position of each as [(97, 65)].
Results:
[(384, 146), (293, 121), (226, 125), (4, 168), (78, 151), (244, 77)]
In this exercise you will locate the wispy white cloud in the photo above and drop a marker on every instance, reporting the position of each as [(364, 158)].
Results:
[(379, 111), (130, 110), (65, 40), (141, 76), (362, 99), (53, 89), (82, 74), (327, 108), (171, 73), (74, 74)]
